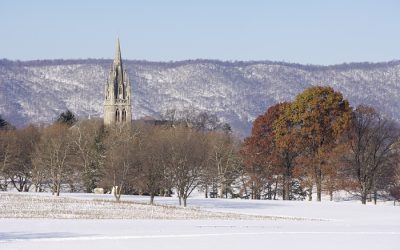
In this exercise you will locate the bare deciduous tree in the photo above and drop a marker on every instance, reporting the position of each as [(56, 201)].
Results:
[(224, 162), (370, 149), (7, 144), (87, 139), (153, 168), (121, 157), (20, 171), (187, 157), (54, 155)]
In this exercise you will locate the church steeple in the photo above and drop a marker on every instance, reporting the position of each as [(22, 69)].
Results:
[(117, 59), (117, 103)]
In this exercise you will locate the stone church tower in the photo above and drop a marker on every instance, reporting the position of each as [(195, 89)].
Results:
[(117, 103)]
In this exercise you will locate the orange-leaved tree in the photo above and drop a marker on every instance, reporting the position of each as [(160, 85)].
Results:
[(314, 121), (265, 157)]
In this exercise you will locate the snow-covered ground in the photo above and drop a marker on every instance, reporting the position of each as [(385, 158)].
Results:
[(300, 225)]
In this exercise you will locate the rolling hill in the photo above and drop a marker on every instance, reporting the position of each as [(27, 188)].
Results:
[(237, 92)]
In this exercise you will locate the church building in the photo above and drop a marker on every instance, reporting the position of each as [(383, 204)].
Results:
[(117, 103)]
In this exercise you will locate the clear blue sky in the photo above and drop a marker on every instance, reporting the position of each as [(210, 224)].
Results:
[(301, 31)]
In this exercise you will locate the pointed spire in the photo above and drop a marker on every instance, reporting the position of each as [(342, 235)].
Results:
[(117, 59)]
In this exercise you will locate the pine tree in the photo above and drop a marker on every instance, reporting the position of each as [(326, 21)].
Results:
[(67, 117), (4, 124)]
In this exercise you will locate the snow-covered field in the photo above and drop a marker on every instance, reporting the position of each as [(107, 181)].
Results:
[(206, 224)]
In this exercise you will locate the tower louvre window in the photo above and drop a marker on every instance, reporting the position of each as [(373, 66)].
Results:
[(117, 115), (124, 115)]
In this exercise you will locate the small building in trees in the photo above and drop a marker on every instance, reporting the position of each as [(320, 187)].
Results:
[(117, 102)]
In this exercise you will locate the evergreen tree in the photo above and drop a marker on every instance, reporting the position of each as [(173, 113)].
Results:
[(4, 124), (67, 117)]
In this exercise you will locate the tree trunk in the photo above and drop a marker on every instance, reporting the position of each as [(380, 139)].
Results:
[(117, 197), (19, 187), (245, 188), (117, 193), (310, 193), (286, 184), (252, 192), (58, 189), (269, 194), (330, 195), (284, 188), (287, 188), (319, 184), (206, 194), (375, 196), (151, 199), (184, 201), (27, 187), (364, 197), (222, 190)]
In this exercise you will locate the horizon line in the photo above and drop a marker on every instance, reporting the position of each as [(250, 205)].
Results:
[(207, 59)]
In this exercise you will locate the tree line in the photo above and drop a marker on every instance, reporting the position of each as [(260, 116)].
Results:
[(316, 144), (189, 151)]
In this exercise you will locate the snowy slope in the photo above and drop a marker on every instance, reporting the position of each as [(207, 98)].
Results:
[(237, 92)]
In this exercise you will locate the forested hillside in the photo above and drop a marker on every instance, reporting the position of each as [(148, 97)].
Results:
[(237, 92)]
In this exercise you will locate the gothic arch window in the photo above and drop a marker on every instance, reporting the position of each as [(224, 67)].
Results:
[(117, 118), (124, 115)]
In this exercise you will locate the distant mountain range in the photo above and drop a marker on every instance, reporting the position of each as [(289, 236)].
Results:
[(237, 92)]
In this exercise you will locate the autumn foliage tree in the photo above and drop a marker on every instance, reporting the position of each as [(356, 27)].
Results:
[(295, 138), (286, 148), (263, 158), (317, 117)]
